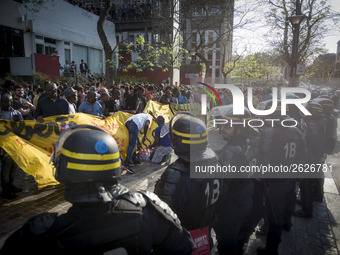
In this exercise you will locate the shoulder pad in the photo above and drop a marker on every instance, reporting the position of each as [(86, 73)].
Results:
[(41, 223), (135, 198), (162, 208), (178, 165), (171, 175)]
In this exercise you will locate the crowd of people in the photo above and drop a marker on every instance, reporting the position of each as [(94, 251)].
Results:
[(232, 207)]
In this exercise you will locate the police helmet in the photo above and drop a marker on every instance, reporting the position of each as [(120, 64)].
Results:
[(85, 153), (188, 133), (314, 108), (327, 104), (324, 92), (278, 109), (227, 112), (315, 93)]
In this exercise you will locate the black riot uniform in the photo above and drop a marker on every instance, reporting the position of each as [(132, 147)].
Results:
[(279, 145), (315, 142), (105, 216), (192, 199), (236, 199)]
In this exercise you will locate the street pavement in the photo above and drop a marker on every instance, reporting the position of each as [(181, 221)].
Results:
[(317, 235)]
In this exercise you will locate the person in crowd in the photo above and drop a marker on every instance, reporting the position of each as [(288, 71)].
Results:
[(165, 99), (331, 126), (52, 104), (278, 146), (113, 105), (7, 87), (73, 69), (134, 124), (40, 91), (192, 199), (80, 94), (8, 165), (315, 142), (136, 102), (104, 97), (91, 105), (67, 68), (28, 92), (22, 105), (83, 67), (161, 145), (71, 97), (90, 77), (105, 217), (149, 95), (175, 96), (236, 197)]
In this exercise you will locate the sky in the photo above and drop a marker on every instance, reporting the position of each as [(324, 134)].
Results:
[(253, 40), (331, 41)]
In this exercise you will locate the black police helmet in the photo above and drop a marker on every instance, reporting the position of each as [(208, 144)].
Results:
[(226, 112), (326, 103), (85, 153), (277, 112), (188, 133), (315, 108)]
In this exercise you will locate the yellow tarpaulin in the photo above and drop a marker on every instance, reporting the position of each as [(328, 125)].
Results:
[(31, 144)]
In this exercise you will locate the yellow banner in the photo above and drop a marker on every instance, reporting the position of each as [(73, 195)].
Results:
[(31, 144)]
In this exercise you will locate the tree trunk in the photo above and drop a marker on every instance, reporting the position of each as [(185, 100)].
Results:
[(109, 72)]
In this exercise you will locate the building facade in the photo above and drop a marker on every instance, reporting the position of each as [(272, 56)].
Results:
[(54, 26), (206, 28)]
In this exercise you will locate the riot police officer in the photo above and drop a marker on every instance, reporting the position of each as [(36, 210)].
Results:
[(280, 145), (331, 126), (315, 142), (236, 199), (192, 199), (105, 216)]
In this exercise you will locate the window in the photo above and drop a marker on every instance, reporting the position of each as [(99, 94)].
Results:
[(49, 40), (217, 72), (39, 48), (68, 55), (49, 50), (11, 42), (17, 44)]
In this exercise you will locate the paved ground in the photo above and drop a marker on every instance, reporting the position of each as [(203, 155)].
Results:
[(319, 235)]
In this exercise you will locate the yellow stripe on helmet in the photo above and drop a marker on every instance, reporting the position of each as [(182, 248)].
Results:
[(83, 167), (235, 118), (195, 141), (189, 135), (87, 156)]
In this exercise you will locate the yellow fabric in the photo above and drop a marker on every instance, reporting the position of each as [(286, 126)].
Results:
[(31, 144)]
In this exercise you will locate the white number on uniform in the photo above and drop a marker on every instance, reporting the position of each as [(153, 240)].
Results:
[(290, 150), (215, 192)]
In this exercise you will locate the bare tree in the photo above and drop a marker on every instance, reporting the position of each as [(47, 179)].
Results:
[(217, 16), (316, 14), (108, 51)]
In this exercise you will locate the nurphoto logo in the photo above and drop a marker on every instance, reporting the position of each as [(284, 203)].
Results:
[(238, 100)]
